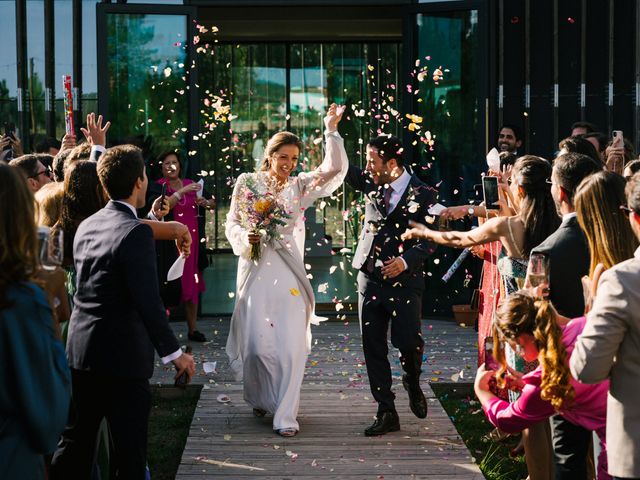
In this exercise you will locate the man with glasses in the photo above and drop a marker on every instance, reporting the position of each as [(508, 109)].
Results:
[(608, 349), (34, 169)]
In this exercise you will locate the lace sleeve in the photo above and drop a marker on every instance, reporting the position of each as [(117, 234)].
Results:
[(234, 231)]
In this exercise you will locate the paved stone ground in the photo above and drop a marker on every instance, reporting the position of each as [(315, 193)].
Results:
[(226, 441)]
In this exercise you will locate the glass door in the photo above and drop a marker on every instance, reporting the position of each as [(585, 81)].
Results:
[(454, 40)]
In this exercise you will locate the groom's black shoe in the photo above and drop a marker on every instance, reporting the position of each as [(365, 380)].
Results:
[(417, 402), (385, 422)]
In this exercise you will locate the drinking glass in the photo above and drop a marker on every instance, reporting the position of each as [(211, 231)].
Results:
[(51, 245), (538, 270), (199, 194)]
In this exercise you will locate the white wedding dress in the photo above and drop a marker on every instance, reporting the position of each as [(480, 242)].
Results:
[(270, 335)]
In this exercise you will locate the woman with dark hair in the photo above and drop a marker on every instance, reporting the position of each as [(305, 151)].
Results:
[(530, 326), (35, 385), (270, 335), (184, 201), (535, 220), (83, 196)]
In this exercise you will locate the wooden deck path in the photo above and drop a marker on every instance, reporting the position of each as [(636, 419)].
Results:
[(226, 441)]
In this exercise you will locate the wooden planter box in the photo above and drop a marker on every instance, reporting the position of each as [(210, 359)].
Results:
[(465, 314)]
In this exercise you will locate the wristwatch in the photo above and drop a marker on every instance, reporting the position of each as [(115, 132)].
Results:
[(471, 211)]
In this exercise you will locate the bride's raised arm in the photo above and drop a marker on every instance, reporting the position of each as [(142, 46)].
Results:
[(330, 174)]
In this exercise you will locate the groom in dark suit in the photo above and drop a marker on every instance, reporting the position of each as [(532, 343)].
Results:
[(569, 260), (391, 275), (117, 322)]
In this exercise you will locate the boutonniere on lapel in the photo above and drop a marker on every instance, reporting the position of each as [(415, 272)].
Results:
[(373, 226), (374, 195), (412, 205)]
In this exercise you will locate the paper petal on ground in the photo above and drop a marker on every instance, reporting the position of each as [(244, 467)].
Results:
[(294, 291), (209, 367)]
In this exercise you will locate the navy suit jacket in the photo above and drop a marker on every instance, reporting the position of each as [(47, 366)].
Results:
[(569, 260), (118, 318), (382, 231)]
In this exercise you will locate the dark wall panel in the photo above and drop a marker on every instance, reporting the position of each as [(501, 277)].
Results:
[(596, 61), (513, 73), (570, 19), (624, 66), (541, 114)]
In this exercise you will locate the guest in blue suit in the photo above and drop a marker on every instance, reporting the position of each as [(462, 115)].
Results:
[(34, 378)]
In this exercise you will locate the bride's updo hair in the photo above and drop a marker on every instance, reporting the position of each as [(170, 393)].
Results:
[(274, 144)]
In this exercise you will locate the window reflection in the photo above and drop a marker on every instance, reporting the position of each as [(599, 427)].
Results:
[(147, 92), (63, 13), (35, 70), (8, 64)]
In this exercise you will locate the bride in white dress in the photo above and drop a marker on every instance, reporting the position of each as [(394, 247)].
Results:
[(270, 335)]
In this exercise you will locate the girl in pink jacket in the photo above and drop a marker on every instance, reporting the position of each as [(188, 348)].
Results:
[(530, 326)]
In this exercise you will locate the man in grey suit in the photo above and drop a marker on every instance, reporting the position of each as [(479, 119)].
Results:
[(609, 347)]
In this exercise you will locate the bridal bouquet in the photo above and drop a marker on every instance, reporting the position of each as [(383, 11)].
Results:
[(260, 213)]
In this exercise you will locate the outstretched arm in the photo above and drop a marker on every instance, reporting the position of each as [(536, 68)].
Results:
[(489, 231), (172, 231)]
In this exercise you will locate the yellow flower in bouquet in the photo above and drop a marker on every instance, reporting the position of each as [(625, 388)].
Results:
[(263, 205)]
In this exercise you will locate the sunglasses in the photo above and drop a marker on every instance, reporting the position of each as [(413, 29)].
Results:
[(46, 172)]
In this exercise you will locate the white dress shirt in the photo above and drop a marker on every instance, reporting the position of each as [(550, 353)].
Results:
[(177, 353), (399, 185)]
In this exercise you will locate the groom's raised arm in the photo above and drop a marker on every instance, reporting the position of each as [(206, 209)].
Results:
[(357, 178)]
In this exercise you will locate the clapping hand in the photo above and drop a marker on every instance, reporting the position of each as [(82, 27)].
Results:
[(95, 133), (334, 115)]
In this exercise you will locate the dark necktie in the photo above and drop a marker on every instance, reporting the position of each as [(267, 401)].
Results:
[(387, 199), (386, 205)]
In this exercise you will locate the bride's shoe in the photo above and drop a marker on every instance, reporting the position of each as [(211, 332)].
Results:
[(287, 432), (258, 412)]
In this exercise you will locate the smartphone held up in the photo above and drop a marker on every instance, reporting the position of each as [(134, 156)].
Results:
[(490, 192)]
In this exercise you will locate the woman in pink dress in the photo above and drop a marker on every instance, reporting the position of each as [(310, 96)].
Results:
[(530, 326), (184, 201)]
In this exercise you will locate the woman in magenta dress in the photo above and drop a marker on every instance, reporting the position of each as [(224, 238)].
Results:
[(184, 201)]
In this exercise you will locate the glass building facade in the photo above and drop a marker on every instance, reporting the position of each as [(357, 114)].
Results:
[(215, 78)]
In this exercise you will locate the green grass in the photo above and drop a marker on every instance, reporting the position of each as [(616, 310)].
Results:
[(465, 411), (169, 421)]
